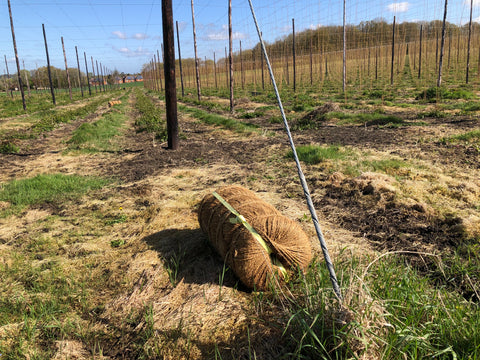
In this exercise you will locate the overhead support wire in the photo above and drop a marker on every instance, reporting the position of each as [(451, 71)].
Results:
[(303, 181)]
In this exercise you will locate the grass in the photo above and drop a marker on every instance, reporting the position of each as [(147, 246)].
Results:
[(390, 311), (218, 120), (53, 188), (152, 117), (472, 137), (100, 135), (312, 154)]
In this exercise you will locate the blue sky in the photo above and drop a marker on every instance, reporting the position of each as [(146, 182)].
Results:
[(124, 34)]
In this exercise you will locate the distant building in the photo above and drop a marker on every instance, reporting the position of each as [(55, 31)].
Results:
[(97, 81)]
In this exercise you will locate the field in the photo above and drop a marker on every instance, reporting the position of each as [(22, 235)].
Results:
[(101, 254)]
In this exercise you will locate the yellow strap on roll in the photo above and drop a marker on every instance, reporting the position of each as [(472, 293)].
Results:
[(240, 219)]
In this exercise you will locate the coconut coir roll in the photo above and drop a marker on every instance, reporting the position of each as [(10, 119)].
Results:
[(257, 265)]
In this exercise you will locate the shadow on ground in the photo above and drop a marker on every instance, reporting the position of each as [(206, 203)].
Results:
[(188, 255)]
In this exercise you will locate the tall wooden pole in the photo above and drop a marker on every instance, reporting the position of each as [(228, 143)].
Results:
[(311, 60), (180, 60), (261, 65), (159, 69), (169, 71), (197, 75), (344, 83), (439, 81), (293, 55), (26, 77), (393, 51), (79, 73), (48, 66), (469, 40), (86, 71), (16, 57), (8, 75), (420, 53), (103, 77), (242, 76), (93, 73), (230, 51), (66, 70), (226, 68), (155, 74)]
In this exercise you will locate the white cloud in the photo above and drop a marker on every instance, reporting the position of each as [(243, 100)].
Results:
[(398, 7), (222, 35), (140, 36), (119, 34), (315, 27), (476, 3), (477, 20), (139, 52)]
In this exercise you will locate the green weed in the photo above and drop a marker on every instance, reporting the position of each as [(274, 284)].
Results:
[(218, 120), (47, 188), (312, 154)]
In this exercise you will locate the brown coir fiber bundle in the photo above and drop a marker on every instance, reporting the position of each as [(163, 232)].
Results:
[(256, 265)]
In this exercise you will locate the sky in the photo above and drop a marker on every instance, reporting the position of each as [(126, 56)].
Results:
[(123, 35)]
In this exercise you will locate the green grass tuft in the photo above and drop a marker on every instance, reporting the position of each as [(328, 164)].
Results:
[(312, 154), (97, 136), (47, 188), (215, 119)]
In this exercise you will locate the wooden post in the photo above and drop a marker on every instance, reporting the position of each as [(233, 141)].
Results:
[(241, 67), (180, 60), (16, 57), (226, 68), (8, 75), (159, 69), (344, 83), (439, 80), (169, 71), (103, 78), (215, 70), (293, 55), (48, 67), (26, 78), (197, 75), (155, 75), (93, 73), (311, 61), (393, 51), (261, 65), (420, 53), (98, 77), (86, 71), (469, 40), (66, 70), (230, 57), (79, 73)]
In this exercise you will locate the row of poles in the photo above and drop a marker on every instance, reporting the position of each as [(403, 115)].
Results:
[(98, 77), (152, 74)]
